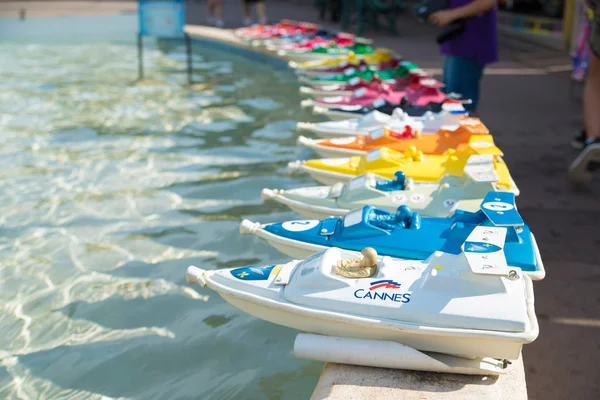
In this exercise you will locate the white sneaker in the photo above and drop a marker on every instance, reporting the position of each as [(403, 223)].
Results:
[(219, 23)]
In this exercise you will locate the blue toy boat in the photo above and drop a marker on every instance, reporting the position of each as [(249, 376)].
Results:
[(407, 235)]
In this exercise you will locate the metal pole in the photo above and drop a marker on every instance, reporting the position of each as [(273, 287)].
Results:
[(140, 44), (188, 49)]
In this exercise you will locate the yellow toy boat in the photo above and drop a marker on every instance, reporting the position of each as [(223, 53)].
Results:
[(424, 168), (381, 55)]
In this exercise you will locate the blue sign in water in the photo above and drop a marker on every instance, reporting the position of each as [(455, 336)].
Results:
[(163, 19)]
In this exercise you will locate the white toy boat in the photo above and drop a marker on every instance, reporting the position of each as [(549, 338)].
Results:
[(325, 91), (446, 304), (346, 113), (357, 111), (428, 199), (430, 122)]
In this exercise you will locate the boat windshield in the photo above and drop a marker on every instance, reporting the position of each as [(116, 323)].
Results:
[(358, 183), (367, 222), (377, 133), (353, 218), (310, 264)]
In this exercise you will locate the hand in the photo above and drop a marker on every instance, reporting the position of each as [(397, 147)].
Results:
[(442, 18)]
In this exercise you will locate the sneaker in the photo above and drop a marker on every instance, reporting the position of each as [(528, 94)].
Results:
[(263, 21), (219, 23), (248, 21), (587, 161), (579, 139)]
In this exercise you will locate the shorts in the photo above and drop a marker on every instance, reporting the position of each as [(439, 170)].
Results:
[(594, 39), (463, 75)]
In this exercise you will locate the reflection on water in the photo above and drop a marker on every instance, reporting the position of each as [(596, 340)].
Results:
[(109, 189)]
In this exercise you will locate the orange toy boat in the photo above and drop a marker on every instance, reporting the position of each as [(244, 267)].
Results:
[(468, 133)]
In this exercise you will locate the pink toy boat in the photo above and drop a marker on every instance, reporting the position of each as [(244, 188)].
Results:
[(277, 30), (419, 94), (357, 83)]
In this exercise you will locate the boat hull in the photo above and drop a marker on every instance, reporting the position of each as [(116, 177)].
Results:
[(299, 57), (328, 132), (326, 177), (334, 114), (321, 94), (329, 151), (308, 210), (458, 342)]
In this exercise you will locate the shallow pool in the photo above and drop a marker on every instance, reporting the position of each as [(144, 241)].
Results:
[(109, 189)]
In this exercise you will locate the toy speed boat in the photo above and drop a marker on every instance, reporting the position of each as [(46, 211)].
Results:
[(358, 65), (313, 43), (429, 122), (405, 234), (419, 94), (403, 69), (318, 53), (346, 112), (281, 28), (416, 165), (384, 312), (341, 90), (292, 38), (285, 30), (380, 55), (470, 131), (428, 199), (357, 83)]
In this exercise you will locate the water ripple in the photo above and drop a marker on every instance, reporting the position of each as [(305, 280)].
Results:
[(109, 189)]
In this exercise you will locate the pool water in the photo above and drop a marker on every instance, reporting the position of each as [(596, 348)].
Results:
[(109, 189)]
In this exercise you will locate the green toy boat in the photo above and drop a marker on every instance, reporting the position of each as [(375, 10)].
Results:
[(402, 71), (359, 49)]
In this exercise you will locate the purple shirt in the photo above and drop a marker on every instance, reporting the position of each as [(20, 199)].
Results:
[(480, 38)]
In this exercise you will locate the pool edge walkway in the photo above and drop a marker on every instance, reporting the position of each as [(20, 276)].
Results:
[(351, 382)]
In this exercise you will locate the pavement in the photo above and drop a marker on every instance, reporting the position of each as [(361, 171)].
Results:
[(532, 109), (51, 8)]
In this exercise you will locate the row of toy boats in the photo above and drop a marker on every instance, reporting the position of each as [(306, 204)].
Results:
[(414, 254)]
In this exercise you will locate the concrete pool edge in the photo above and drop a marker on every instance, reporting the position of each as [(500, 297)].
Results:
[(342, 381), (224, 39)]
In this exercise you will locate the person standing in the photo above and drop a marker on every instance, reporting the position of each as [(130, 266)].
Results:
[(260, 11), (467, 54), (589, 138), (215, 13)]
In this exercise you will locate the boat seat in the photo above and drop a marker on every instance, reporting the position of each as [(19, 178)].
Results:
[(398, 183), (403, 216), (384, 220), (468, 217), (415, 221)]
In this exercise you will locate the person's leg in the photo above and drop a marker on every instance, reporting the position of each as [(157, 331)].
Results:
[(246, 12), (211, 11), (446, 72), (463, 76), (261, 11), (589, 158), (591, 94), (219, 13)]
